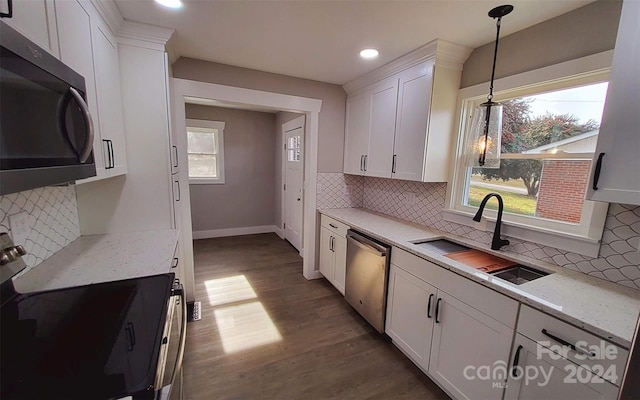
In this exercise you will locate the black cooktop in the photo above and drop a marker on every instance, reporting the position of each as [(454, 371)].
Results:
[(98, 341)]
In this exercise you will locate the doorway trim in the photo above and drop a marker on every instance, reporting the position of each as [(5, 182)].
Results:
[(275, 101)]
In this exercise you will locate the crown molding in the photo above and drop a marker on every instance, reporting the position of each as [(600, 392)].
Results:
[(142, 34), (109, 11), (443, 54)]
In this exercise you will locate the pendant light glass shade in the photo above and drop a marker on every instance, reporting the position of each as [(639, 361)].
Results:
[(483, 140)]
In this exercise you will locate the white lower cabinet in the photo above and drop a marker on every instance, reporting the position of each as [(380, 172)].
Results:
[(538, 374), (333, 252), (466, 344), (410, 308), (454, 337)]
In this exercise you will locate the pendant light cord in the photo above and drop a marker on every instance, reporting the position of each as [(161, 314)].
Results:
[(495, 57), (483, 156)]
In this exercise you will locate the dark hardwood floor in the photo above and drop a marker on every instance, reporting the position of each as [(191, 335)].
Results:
[(268, 333)]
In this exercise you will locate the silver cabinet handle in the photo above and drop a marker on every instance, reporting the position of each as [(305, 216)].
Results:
[(393, 164), (362, 162), (88, 121), (365, 162), (178, 191), (331, 243)]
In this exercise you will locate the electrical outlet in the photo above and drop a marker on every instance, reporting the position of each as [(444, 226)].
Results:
[(409, 198), (482, 225), (20, 227)]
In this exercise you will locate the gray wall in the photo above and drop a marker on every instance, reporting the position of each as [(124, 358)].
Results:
[(587, 30), (331, 118), (247, 197)]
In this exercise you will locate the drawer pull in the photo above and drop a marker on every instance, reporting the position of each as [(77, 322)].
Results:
[(516, 359), (429, 306), (333, 226), (570, 345)]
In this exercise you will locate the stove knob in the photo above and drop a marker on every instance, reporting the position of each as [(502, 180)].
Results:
[(21, 251)]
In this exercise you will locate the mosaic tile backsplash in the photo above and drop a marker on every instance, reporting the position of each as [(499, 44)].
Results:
[(53, 217), (335, 190), (618, 260)]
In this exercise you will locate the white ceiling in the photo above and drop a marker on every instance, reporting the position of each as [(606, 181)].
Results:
[(320, 40)]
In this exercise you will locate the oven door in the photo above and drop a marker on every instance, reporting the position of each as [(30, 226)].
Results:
[(169, 371)]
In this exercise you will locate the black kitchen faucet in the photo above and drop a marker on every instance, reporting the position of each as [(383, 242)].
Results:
[(496, 242)]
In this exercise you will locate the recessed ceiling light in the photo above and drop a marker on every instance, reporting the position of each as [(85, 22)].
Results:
[(369, 53), (170, 3)]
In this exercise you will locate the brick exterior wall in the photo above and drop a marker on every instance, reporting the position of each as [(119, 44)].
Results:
[(562, 187)]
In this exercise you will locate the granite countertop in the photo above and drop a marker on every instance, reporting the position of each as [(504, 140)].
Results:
[(603, 308), (102, 258)]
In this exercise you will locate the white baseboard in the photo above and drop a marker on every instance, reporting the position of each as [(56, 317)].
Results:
[(247, 230), (279, 232)]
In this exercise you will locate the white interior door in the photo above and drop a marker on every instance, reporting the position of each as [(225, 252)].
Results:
[(293, 179)]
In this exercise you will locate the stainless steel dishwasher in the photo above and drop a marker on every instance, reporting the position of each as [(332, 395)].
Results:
[(367, 275)]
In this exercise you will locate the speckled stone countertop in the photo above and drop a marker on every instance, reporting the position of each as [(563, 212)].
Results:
[(102, 258), (603, 308)]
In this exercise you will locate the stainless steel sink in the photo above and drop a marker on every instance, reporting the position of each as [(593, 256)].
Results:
[(441, 246), (520, 274)]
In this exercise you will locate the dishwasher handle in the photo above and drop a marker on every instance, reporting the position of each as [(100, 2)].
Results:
[(366, 243)]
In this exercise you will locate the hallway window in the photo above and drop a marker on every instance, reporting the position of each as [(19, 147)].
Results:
[(205, 148)]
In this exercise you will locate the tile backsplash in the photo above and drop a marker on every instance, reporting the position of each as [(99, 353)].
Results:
[(53, 218), (422, 203)]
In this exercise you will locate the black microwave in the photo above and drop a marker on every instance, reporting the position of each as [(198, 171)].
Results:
[(46, 129)]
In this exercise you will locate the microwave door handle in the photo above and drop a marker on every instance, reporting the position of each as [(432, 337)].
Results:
[(88, 120), (63, 104), (183, 336)]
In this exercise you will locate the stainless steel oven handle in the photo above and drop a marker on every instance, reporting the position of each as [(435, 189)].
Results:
[(183, 335), (88, 121), (366, 243)]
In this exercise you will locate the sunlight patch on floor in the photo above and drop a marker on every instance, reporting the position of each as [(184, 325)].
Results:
[(228, 290), (245, 326)]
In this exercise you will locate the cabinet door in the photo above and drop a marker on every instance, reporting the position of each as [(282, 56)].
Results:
[(76, 50), (107, 70), (414, 100), (409, 314), (540, 376), (619, 139), (326, 254), (382, 125), (35, 19), (356, 137), (464, 340), (339, 262)]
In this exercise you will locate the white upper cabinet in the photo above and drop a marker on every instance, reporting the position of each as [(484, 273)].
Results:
[(379, 156), (400, 118), (357, 133), (107, 71), (615, 175), (88, 46), (35, 19), (414, 100)]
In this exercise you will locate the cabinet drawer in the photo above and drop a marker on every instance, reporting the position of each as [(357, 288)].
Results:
[(334, 226), (419, 267), (605, 356), (485, 300)]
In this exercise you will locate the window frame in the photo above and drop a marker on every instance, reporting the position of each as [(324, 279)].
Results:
[(583, 238), (219, 137)]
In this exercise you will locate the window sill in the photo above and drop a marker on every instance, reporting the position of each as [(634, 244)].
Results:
[(205, 181), (560, 240)]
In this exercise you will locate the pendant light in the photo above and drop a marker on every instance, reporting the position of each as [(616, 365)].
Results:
[(484, 138)]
